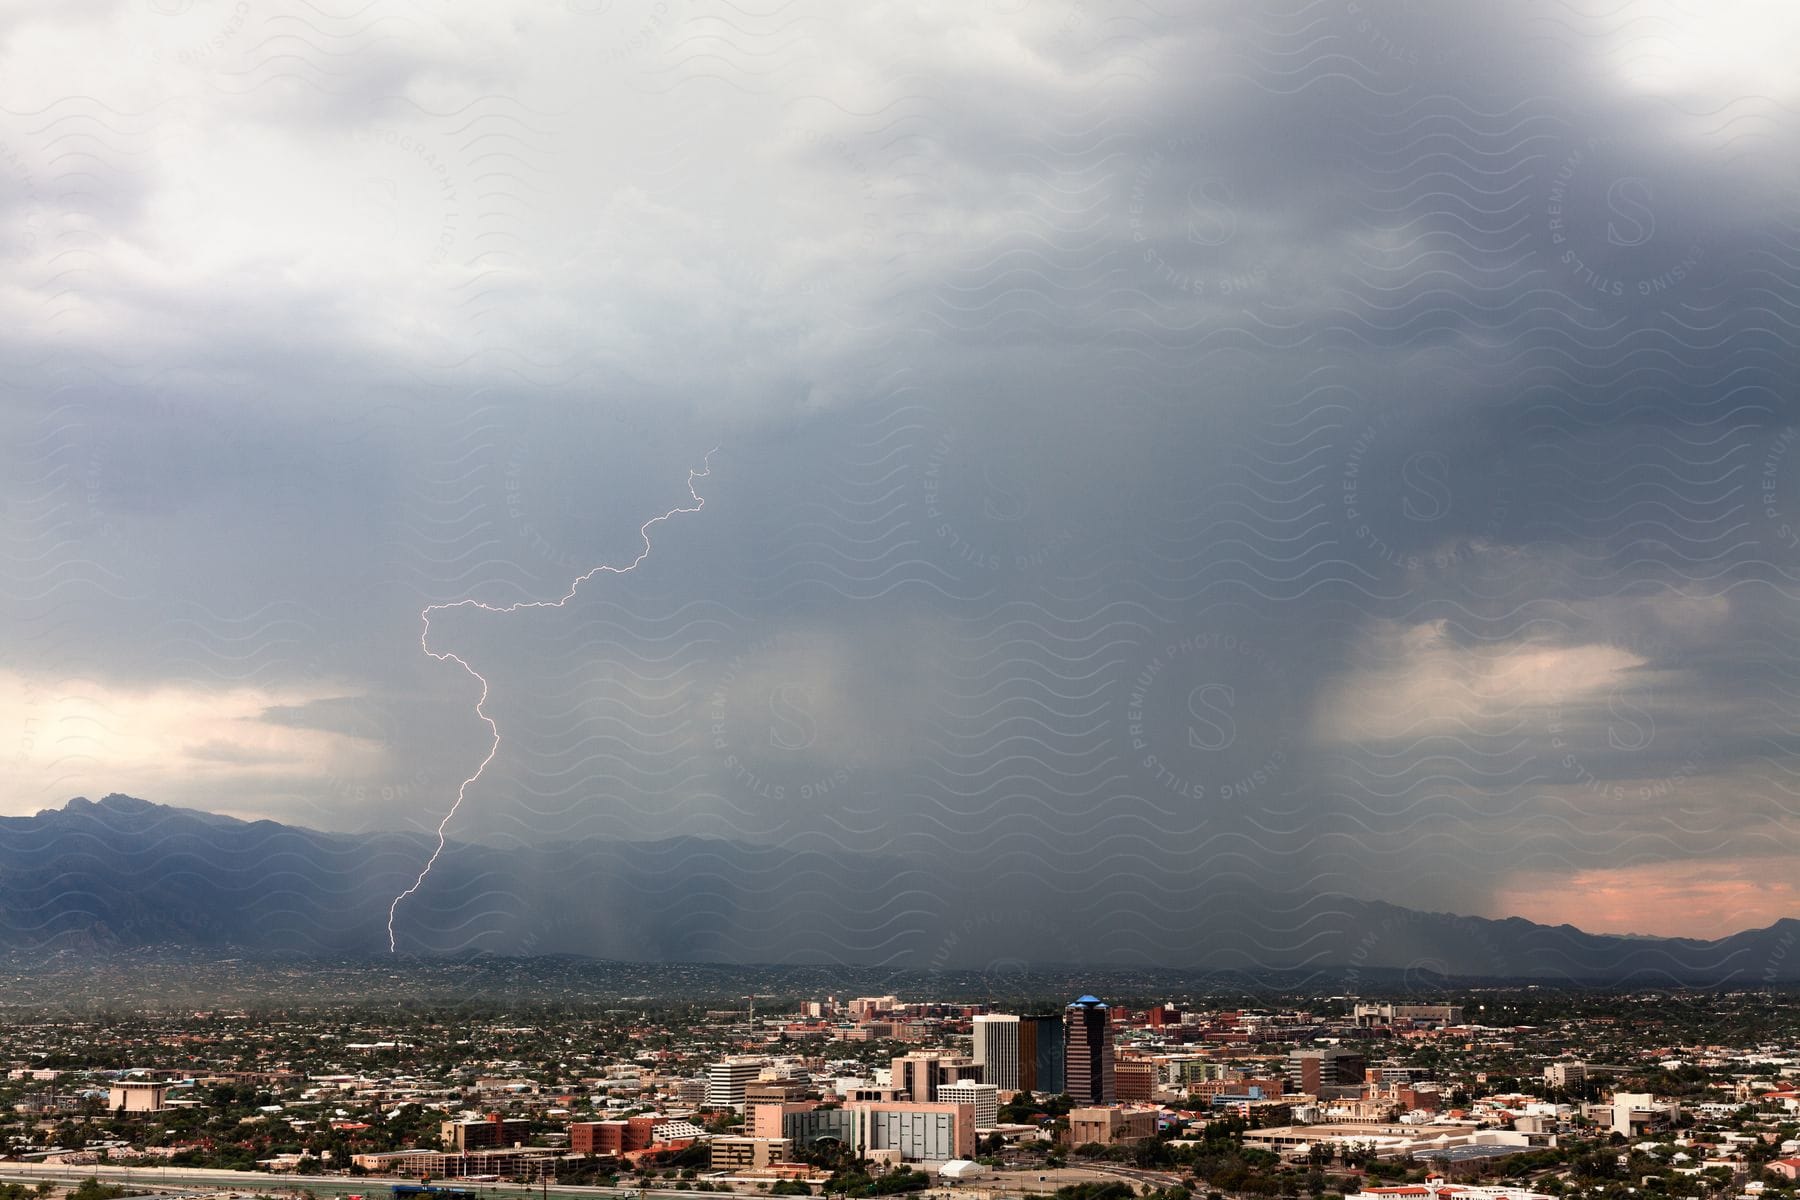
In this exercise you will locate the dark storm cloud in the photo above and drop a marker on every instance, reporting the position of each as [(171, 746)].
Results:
[(1338, 444)]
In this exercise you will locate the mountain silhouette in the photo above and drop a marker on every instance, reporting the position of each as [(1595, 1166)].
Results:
[(125, 874)]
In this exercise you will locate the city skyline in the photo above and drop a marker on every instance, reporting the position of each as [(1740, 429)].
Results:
[(1501, 1093)]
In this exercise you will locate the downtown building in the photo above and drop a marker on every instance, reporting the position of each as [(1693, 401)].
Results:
[(1088, 1052), (997, 1050), (623, 1135), (919, 1075), (747, 1153), (727, 1079), (1110, 1125), (1041, 1055), (1329, 1074), (485, 1134), (1135, 1079), (917, 1132), (984, 1098), (1020, 1054)]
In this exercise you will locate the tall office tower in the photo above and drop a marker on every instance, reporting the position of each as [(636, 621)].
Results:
[(997, 1050), (1041, 1055), (985, 1098), (1326, 1073), (915, 1076), (1088, 1054), (1565, 1075), (727, 1078)]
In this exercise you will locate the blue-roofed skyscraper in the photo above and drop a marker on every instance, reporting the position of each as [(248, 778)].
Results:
[(1088, 1052)]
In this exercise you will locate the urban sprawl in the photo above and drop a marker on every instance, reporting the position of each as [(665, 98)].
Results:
[(1505, 1094)]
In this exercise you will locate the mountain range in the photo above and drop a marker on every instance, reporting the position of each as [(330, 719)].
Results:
[(126, 874)]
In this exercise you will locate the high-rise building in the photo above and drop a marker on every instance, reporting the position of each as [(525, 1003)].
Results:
[(985, 1098), (915, 1077), (1320, 1072), (1567, 1075), (997, 1050), (776, 1090), (1135, 1079), (1166, 1014), (483, 1135), (1041, 1055), (1088, 1052), (726, 1080)]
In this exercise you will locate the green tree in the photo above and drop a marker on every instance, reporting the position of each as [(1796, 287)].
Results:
[(92, 1189)]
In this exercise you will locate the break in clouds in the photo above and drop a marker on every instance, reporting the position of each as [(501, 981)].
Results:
[(1332, 447)]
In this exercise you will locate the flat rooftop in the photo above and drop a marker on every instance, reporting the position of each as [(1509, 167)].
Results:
[(1365, 1129), (1469, 1153)]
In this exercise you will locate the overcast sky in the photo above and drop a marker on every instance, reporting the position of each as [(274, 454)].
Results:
[(1348, 444)]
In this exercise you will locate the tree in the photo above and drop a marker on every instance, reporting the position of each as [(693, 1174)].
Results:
[(92, 1189)]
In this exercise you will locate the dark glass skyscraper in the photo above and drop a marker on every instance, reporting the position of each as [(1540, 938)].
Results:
[(1041, 1054), (1088, 1054)]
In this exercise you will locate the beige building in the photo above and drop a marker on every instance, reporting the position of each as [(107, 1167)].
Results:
[(521, 1162), (1109, 1125), (1565, 1074), (766, 1120), (774, 1091), (1637, 1113), (483, 1135), (135, 1096), (748, 1153), (917, 1076)]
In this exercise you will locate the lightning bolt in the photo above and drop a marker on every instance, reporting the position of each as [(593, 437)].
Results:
[(480, 704)]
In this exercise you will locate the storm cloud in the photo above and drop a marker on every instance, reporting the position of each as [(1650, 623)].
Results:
[(1337, 447)]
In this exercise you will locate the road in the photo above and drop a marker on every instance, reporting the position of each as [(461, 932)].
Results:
[(333, 1186), (1149, 1178), (256, 1182)]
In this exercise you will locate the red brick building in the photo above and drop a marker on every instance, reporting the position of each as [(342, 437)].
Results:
[(613, 1137), (1134, 1079)]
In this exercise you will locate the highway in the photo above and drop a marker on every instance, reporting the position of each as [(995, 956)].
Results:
[(260, 1183), (330, 1187)]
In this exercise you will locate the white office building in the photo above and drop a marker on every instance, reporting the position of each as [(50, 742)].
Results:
[(726, 1079), (985, 1098), (997, 1050)]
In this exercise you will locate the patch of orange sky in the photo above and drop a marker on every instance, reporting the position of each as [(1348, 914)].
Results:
[(1698, 899)]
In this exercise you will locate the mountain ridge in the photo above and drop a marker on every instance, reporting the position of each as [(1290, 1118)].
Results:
[(122, 872)]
